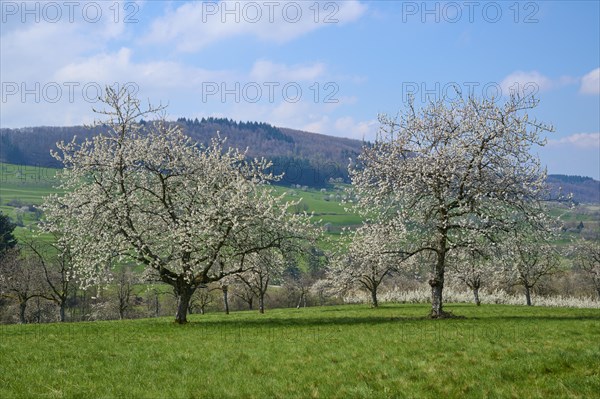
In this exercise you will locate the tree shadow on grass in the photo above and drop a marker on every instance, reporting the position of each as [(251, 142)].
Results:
[(261, 322), (320, 320), (540, 318)]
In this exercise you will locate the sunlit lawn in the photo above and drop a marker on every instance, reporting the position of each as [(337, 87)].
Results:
[(340, 352)]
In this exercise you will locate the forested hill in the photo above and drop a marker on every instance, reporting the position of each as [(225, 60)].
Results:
[(584, 189), (306, 158)]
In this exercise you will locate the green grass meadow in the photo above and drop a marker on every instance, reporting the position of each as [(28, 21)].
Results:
[(349, 351)]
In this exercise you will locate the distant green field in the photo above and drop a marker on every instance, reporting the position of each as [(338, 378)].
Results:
[(347, 351), (26, 185), (325, 209), (29, 184), (583, 213)]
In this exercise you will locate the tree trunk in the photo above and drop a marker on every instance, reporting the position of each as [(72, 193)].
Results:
[(225, 299), (61, 311), (184, 295), (261, 303), (156, 305), (374, 301), (598, 289), (38, 310), (300, 300), (476, 296), (22, 309), (122, 307), (528, 295), (437, 286), (250, 303)]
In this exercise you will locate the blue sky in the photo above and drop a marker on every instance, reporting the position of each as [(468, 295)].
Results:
[(326, 67)]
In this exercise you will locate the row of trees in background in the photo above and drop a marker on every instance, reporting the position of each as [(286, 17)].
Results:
[(452, 188), (43, 288), (38, 282), (524, 262), (38, 269)]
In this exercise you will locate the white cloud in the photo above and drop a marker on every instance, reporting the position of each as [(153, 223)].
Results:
[(82, 54), (319, 126), (302, 115), (23, 49), (30, 55), (589, 141), (306, 115), (348, 127), (65, 94), (267, 71), (533, 82), (576, 154), (195, 25), (183, 87), (525, 83), (590, 83), (35, 49), (119, 67)]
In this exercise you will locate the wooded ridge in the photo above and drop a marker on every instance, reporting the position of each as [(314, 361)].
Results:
[(306, 158)]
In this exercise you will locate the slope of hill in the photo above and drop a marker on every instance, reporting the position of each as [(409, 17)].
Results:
[(584, 189), (22, 189), (306, 158)]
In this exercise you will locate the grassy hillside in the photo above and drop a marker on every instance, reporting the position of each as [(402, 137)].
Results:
[(22, 189), (27, 185), (324, 204), (327, 352), (307, 158)]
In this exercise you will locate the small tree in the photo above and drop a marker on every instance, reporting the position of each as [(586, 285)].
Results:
[(588, 259), (152, 299), (124, 281), (20, 280), (225, 289), (296, 282), (528, 259), (243, 291), (55, 260), (147, 192), (264, 266), (7, 238), (450, 174), (201, 299), (370, 258), (472, 268)]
